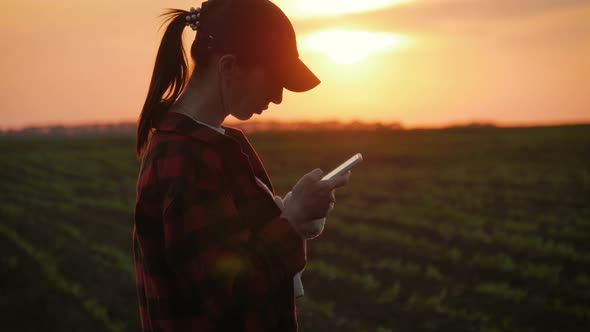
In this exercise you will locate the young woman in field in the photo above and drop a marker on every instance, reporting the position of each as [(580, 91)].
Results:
[(213, 250)]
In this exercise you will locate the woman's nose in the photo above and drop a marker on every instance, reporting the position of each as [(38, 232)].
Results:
[(277, 95)]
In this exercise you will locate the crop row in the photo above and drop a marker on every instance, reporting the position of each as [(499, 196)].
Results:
[(308, 305), (365, 262), (443, 302), (388, 208), (49, 267), (84, 258), (447, 232), (545, 273)]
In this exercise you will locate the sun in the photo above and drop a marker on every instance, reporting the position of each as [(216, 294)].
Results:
[(315, 8), (351, 46)]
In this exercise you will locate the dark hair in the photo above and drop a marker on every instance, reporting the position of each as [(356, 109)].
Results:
[(168, 79)]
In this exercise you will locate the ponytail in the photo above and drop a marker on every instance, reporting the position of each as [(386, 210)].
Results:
[(168, 79)]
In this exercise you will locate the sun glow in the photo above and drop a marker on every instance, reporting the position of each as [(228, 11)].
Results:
[(350, 46), (303, 8)]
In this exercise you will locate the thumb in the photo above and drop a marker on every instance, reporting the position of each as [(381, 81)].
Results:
[(315, 175), (339, 181), (311, 177)]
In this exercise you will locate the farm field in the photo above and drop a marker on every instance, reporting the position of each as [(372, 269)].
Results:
[(464, 229)]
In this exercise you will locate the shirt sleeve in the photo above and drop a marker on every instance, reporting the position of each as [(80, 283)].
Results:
[(215, 253)]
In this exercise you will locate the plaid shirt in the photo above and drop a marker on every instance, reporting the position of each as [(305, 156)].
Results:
[(211, 250)]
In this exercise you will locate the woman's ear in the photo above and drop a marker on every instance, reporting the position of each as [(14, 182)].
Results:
[(227, 66)]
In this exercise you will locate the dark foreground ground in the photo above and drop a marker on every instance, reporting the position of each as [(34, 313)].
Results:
[(440, 230)]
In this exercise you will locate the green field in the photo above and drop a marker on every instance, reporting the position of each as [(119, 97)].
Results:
[(466, 229)]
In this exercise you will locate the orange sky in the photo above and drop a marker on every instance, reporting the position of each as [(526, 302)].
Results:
[(433, 62)]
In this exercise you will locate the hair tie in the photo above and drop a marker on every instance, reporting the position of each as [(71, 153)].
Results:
[(194, 18)]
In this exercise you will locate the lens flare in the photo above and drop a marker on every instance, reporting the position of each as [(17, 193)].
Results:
[(349, 46), (307, 8)]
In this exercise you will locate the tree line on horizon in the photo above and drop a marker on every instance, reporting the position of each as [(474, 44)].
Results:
[(131, 127)]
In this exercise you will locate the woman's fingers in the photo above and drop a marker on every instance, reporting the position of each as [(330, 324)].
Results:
[(337, 181)]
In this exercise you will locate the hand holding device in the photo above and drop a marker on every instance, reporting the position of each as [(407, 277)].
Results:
[(313, 228), (311, 199)]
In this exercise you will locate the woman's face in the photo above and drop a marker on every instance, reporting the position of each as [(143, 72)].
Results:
[(252, 90)]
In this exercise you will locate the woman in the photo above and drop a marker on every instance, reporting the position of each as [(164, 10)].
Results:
[(213, 252)]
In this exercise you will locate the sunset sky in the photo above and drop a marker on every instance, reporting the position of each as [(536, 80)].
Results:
[(419, 62)]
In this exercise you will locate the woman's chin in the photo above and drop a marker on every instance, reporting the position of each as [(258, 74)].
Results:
[(243, 117), (249, 115)]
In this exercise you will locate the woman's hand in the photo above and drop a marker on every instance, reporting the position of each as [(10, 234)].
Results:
[(312, 228), (310, 201)]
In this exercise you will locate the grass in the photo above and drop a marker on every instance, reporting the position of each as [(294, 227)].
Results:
[(456, 230)]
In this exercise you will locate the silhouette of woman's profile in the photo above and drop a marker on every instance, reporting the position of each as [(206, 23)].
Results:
[(214, 249)]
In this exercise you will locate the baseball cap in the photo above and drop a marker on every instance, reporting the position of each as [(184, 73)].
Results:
[(257, 31)]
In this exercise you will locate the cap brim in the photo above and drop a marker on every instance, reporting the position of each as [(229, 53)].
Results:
[(297, 77)]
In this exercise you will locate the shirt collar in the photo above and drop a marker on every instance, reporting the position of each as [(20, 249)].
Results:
[(183, 124), (234, 138)]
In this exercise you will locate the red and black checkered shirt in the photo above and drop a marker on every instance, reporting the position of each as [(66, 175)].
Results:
[(211, 250)]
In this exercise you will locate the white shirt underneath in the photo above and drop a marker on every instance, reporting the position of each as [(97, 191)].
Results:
[(218, 129)]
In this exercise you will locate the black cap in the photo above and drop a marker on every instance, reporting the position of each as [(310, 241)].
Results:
[(257, 31)]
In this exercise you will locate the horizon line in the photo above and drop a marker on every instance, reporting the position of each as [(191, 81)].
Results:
[(351, 122)]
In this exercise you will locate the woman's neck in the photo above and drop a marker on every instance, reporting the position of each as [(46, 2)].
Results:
[(200, 102)]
